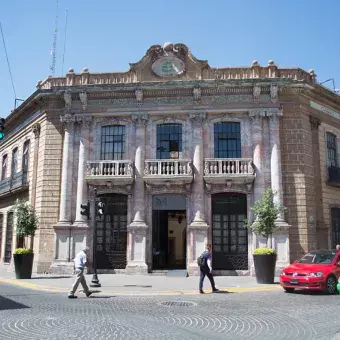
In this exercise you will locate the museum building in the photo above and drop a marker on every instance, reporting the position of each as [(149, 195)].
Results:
[(178, 152)]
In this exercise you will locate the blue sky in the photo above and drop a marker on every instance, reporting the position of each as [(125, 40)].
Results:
[(105, 35)]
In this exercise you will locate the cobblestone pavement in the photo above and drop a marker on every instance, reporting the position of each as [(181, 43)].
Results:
[(27, 314)]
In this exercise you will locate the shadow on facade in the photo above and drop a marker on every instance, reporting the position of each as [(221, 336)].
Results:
[(6, 304)]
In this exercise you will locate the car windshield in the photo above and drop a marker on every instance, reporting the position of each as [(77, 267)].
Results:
[(318, 258)]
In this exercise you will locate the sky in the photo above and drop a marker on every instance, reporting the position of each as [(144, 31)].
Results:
[(106, 35)]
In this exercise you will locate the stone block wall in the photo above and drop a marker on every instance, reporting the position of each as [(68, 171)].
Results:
[(48, 191), (298, 179)]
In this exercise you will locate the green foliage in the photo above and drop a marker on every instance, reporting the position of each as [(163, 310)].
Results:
[(22, 251), (25, 218), (266, 212), (264, 251)]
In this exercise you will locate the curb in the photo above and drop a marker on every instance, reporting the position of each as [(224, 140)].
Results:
[(50, 289)]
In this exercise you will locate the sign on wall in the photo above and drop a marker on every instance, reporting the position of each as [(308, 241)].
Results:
[(169, 202)]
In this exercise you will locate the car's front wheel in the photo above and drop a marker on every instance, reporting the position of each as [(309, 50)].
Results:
[(289, 290), (331, 285)]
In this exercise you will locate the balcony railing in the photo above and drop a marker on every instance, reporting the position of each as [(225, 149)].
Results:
[(168, 167), (334, 175), (121, 168), (221, 169), (17, 181)]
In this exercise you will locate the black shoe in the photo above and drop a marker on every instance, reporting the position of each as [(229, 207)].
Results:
[(89, 294), (216, 290), (201, 292), (72, 296)]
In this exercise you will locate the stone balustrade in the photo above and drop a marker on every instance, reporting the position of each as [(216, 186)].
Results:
[(167, 167), (109, 169), (228, 168), (226, 73)]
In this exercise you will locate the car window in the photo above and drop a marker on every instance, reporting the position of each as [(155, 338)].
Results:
[(317, 258)]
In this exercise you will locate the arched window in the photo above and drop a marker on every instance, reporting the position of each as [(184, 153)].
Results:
[(14, 162), (169, 141), (9, 238), (4, 167), (25, 159), (227, 140), (112, 142)]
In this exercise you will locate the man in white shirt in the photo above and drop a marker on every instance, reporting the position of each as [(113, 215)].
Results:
[(80, 262)]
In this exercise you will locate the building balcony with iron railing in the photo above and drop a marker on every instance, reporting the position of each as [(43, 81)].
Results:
[(221, 170), (334, 175), (160, 171), (119, 172), (14, 183)]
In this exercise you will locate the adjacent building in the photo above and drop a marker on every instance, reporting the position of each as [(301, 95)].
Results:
[(177, 151)]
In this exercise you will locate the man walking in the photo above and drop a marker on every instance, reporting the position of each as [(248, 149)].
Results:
[(206, 269), (80, 262)]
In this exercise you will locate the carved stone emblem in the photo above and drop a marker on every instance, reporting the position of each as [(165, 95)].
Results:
[(274, 89), (140, 120), (197, 118), (256, 92), (68, 99), (139, 95), (83, 100), (197, 94)]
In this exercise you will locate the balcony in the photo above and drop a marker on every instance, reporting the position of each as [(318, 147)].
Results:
[(16, 182), (116, 172), (221, 170), (334, 176), (160, 171)]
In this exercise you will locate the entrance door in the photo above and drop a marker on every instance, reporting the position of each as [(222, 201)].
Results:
[(169, 239), (111, 238), (230, 236)]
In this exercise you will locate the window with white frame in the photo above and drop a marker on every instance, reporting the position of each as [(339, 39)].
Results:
[(4, 167), (14, 162), (331, 150), (25, 156), (112, 142)]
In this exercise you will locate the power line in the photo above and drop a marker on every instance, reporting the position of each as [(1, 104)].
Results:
[(9, 67), (62, 65)]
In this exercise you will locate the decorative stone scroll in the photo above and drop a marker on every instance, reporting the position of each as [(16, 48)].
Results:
[(256, 115), (197, 92), (139, 95), (274, 114), (83, 99), (274, 89), (86, 121), (197, 118), (68, 120), (36, 130), (140, 120), (68, 99), (314, 122), (256, 93)]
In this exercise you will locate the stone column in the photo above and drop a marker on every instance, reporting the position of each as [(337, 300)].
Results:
[(66, 174), (275, 157), (256, 116), (36, 131), (85, 122), (137, 230), (198, 228)]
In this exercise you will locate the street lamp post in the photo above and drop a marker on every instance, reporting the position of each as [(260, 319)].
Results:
[(95, 280)]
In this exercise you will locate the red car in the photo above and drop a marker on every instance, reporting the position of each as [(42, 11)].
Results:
[(317, 270)]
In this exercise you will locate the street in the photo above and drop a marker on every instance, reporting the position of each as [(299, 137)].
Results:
[(31, 314)]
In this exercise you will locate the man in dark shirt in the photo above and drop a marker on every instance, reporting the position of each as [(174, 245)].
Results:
[(206, 269)]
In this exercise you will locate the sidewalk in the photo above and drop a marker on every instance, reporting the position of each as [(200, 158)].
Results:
[(117, 284)]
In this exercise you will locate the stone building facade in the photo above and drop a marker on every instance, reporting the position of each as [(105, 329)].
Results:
[(178, 152)]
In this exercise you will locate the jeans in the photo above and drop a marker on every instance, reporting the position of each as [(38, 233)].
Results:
[(207, 273)]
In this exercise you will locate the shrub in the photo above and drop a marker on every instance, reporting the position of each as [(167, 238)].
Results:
[(264, 251), (22, 251)]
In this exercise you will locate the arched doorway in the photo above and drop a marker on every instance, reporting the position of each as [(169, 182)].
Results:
[(111, 240), (229, 234)]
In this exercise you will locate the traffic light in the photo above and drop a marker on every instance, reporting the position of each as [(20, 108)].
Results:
[(100, 209), (85, 209), (2, 128)]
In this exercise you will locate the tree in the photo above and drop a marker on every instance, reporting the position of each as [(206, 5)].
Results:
[(266, 212), (26, 220)]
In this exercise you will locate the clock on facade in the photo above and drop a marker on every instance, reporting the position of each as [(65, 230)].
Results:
[(168, 66)]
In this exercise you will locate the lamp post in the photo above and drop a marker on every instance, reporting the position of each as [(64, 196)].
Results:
[(95, 280)]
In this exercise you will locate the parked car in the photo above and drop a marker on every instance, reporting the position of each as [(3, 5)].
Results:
[(317, 270)]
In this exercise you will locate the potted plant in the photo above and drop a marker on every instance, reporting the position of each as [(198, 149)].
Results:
[(26, 222), (265, 212)]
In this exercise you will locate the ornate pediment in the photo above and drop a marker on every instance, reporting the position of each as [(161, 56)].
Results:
[(168, 62)]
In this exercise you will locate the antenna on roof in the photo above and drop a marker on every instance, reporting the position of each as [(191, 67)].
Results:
[(62, 64), (54, 47)]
